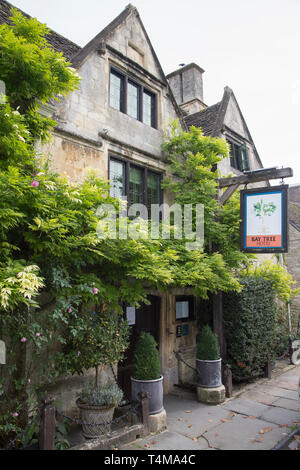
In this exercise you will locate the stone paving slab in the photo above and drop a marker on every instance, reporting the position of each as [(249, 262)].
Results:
[(258, 419), (167, 440), (288, 380), (278, 392), (289, 385), (287, 403), (281, 416), (192, 419), (242, 433), (260, 397), (246, 407)]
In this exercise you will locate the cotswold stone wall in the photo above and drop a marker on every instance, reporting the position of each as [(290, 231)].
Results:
[(293, 263)]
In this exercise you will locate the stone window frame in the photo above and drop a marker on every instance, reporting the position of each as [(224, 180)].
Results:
[(142, 90), (144, 169)]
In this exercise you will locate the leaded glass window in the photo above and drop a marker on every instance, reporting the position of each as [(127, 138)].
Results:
[(116, 91), (135, 185), (153, 189), (132, 98), (133, 101), (148, 109), (117, 178)]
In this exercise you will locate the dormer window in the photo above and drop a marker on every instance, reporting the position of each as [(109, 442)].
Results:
[(239, 156), (132, 98)]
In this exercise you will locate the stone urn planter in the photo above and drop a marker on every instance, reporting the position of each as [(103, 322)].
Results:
[(97, 405), (210, 389), (146, 373), (154, 388)]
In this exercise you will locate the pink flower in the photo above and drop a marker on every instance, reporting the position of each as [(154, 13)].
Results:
[(16, 414), (23, 340), (38, 334), (70, 310), (35, 183), (95, 290), (34, 174)]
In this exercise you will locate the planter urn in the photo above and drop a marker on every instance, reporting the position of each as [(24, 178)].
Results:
[(154, 388), (98, 419), (209, 373)]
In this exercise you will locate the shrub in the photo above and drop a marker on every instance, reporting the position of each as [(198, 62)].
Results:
[(208, 346), (108, 395), (146, 365), (249, 321)]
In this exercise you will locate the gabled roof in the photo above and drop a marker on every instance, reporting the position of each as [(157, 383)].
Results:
[(101, 37), (58, 42), (109, 30), (206, 119), (212, 119)]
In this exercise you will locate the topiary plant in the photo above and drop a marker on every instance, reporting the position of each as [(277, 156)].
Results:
[(208, 346), (146, 363)]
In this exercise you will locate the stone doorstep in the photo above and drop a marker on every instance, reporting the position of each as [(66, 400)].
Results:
[(120, 436)]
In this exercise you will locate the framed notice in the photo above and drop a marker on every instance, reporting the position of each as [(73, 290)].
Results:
[(130, 315), (264, 220)]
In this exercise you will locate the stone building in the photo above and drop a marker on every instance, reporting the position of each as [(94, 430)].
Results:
[(114, 124), (292, 257)]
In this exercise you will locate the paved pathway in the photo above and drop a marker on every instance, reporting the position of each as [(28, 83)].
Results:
[(258, 418)]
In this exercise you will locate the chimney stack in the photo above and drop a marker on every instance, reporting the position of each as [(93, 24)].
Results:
[(187, 86)]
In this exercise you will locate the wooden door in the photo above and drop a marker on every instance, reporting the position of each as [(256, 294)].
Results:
[(147, 319)]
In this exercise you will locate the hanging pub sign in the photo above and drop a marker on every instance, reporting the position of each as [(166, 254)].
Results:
[(264, 220)]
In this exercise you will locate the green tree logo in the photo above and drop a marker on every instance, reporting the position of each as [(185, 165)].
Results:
[(263, 210)]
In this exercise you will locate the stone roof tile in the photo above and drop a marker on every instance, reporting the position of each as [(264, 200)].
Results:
[(58, 42), (206, 119)]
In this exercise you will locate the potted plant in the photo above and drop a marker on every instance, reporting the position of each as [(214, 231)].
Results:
[(95, 339), (147, 373), (208, 362), (97, 405)]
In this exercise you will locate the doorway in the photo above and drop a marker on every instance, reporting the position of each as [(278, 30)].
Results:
[(147, 318)]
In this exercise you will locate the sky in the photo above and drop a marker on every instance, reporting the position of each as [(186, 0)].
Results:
[(252, 46)]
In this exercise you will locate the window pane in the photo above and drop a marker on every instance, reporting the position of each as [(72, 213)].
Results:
[(117, 178), (133, 100), (116, 90), (148, 109), (153, 189), (135, 185)]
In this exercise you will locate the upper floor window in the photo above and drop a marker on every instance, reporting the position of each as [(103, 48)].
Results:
[(131, 98), (239, 156), (139, 184)]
